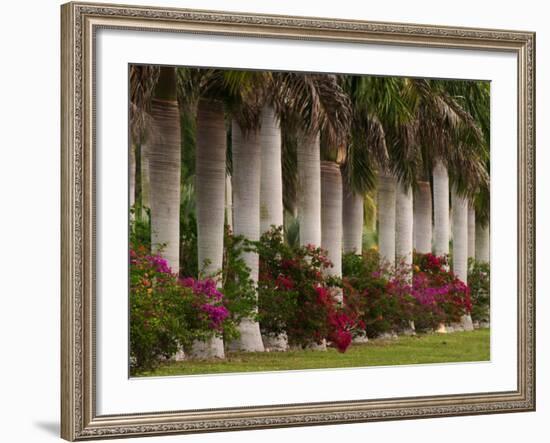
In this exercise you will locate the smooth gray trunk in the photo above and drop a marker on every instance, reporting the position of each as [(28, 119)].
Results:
[(422, 225), (482, 243), (331, 216), (386, 217), (309, 189), (271, 180), (210, 201), (404, 225), (460, 236), (229, 202), (164, 171), (271, 194), (441, 209), (132, 176), (145, 181), (460, 246), (471, 232), (352, 220), (246, 152)]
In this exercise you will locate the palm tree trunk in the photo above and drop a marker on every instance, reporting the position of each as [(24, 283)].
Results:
[(460, 236), (271, 194), (132, 177), (422, 225), (309, 186), (271, 181), (404, 224), (210, 201), (482, 243), (309, 200), (386, 217), (352, 220), (471, 232), (145, 181), (441, 209), (331, 216), (246, 152), (229, 202), (164, 169), (460, 245)]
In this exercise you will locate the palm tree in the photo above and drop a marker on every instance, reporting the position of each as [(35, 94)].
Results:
[(246, 160), (471, 232), (308, 105), (144, 182), (403, 147), (271, 191), (470, 158), (441, 208), (377, 107), (143, 80), (309, 184), (366, 152), (210, 200), (404, 224), (386, 204), (460, 244), (460, 235), (482, 238), (331, 215), (213, 91), (482, 249), (271, 177), (164, 168), (474, 97), (229, 202), (422, 225), (352, 219), (451, 145), (132, 175), (201, 94)]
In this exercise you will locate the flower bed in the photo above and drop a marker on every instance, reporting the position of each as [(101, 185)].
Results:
[(294, 295)]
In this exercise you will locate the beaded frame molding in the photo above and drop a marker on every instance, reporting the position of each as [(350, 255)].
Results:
[(80, 21)]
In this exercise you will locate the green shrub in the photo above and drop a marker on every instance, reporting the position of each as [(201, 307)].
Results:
[(240, 296), (189, 265), (480, 289), (140, 232)]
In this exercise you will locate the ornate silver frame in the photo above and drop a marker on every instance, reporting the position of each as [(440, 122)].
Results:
[(79, 420)]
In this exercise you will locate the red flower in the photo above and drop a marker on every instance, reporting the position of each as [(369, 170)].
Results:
[(342, 340), (323, 295), (284, 282)]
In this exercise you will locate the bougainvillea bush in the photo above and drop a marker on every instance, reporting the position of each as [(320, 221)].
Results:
[(385, 299), (295, 295), (442, 297), (167, 314), (365, 284)]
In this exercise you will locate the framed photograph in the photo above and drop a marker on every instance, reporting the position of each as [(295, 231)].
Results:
[(273, 221)]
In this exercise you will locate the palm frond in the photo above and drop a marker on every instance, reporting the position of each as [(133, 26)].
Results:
[(143, 79), (313, 102)]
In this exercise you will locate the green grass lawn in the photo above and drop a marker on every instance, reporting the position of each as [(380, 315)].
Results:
[(433, 348)]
